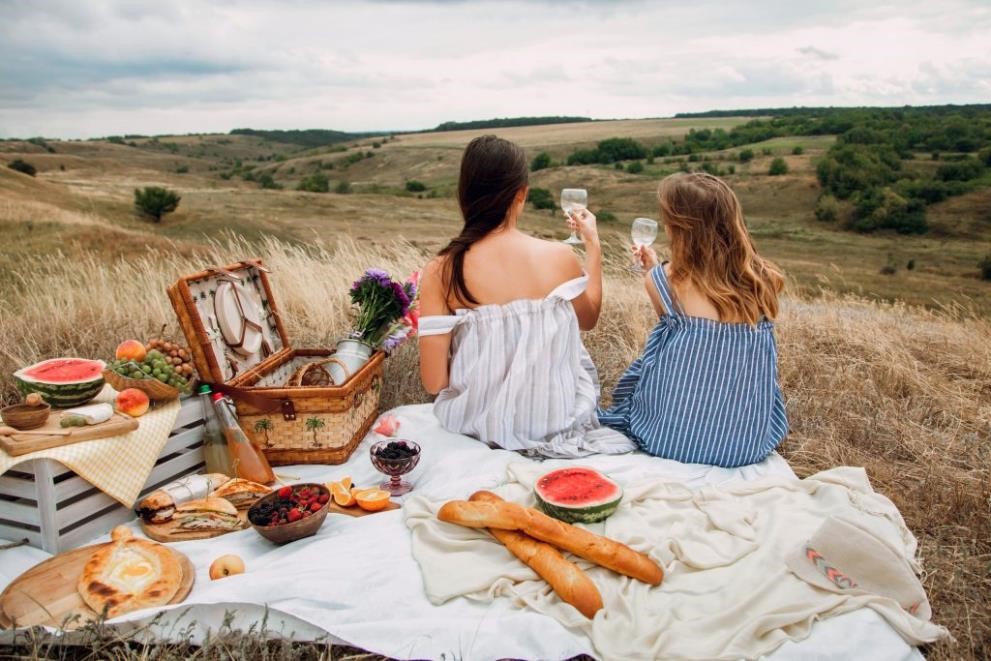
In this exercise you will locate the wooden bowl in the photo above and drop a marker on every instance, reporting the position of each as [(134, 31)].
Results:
[(24, 417), (155, 389), (290, 532)]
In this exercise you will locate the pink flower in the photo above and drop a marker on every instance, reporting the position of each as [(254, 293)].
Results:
[(414, 279), (412, 319), (388, 425)]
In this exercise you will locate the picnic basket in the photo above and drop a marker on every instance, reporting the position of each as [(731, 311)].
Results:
[(292, 424)]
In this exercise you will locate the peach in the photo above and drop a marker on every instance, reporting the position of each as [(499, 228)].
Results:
[(226, 565), (133, 402), (131, 350)]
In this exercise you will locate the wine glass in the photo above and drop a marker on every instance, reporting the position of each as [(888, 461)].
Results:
[(643, 233), (395, 457), (572, 201)]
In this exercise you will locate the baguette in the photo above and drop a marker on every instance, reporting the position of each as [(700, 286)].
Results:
[(602, 551), (569, 582)]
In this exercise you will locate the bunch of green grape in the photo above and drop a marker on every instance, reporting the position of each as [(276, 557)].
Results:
[(156, 365)]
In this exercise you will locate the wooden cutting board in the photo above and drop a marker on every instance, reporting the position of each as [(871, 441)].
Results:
[(21, 443), (46, 594), (169, 531)]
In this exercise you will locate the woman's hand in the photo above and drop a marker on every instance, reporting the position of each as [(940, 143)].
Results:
[(646, 256), (583, 222)]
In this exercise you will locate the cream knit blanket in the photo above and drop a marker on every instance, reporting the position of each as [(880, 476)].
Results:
[(740, 577)]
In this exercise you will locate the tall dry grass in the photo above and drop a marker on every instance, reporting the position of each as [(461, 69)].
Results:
[(902, 391)]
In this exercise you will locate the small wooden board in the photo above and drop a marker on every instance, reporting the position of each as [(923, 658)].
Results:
[(170, 532), (18, 444), (354, 510), (46, 594)]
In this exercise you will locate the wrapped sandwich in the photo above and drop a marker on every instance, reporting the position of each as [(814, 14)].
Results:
[(207, 514), (242, 494), (159, 506)]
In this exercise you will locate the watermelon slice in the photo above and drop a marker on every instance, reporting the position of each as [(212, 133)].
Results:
[(62, 382), (577, 495)]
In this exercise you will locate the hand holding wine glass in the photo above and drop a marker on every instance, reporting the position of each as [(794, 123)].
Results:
[(643, 233), (573, 199), (582, 224)]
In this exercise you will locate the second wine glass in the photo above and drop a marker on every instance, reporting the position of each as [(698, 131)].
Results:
[(643, 233), (573, 200)]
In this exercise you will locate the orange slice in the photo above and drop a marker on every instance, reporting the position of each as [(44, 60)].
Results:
[(342, 496), (345, 482), (372, 500)]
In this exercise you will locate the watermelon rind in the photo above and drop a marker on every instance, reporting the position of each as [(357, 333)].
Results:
[(587, 512), (62, 394)]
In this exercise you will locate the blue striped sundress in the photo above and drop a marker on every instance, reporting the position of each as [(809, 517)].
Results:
[(702, 391)]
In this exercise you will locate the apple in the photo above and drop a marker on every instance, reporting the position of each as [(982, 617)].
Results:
[(226, 565), (133, 402), (131, 350)]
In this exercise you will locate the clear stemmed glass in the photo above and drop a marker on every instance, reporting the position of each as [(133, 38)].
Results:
[(573, 200), (643, 233), (395, 467)]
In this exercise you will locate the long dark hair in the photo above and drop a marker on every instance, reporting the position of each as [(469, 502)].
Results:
[(493, 171)]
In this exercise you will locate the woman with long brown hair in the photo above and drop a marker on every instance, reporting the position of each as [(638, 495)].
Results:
[(499, 335), (705, 389)]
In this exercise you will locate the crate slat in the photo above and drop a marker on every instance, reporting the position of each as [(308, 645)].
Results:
[(17, 486), (15, 534), (19, 512)]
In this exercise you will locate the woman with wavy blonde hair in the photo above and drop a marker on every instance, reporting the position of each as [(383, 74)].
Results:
[(705, 389)]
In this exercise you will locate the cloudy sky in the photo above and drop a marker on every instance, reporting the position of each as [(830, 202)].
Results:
[(77, 68)]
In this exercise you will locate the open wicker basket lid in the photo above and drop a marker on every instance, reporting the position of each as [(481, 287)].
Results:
[(230, 319)]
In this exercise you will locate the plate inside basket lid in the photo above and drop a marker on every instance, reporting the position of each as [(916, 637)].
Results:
[(238, 317)]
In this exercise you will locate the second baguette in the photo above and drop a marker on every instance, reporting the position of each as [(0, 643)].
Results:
[(594, 548), (567, 580)]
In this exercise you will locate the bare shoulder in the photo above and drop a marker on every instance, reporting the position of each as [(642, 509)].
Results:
[(559, 257)]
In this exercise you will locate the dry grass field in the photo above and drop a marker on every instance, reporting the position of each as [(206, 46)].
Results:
[(890, 372)]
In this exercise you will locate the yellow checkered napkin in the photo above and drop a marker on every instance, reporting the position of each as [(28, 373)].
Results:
[(120, 465)]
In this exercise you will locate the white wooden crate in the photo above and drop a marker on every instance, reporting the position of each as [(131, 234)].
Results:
[(55, 509)]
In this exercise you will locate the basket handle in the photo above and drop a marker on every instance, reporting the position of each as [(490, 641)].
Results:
[(298, 377)]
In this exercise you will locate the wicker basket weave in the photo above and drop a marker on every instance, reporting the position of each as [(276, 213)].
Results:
[(155, 389), (292, 424)]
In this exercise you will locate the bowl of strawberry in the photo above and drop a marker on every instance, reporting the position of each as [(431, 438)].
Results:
[(291, 512)]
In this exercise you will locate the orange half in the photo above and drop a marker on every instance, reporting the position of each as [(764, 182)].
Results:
[(372, 500), (341, 495)]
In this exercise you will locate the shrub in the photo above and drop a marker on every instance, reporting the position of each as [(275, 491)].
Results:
[(694, 158), (314, 183), (778, 166), (617, 165), (827, 208), (22, 166), (604, 216), (663, 149), (541, 198), (268, 182), (767, 151), (343, 187), (885, 209), (730, 169), (376, 145), (540, 161), (414, 186), (182, 169), (798, 150), (621, 149), (746, 155), (712, 169), (155, 201), (847, 169), (986, 267), (965, 170), (985, 157), (584, 157), (636, 167)]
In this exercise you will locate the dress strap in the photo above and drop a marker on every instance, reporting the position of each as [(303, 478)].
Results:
[(439, 324), (660, 279), (571, 289)]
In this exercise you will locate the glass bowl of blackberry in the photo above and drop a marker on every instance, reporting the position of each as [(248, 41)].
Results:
[(395, 458)]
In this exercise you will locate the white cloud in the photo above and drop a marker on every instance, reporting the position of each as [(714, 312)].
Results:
[(98, 68)]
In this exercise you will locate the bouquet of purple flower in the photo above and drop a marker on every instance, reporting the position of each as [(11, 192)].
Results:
[(384, 309)]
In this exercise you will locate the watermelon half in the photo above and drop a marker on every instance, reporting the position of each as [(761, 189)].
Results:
[(62, 382), (577, 495)]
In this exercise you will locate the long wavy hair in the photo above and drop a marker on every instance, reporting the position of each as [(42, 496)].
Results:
[(712, 249), (493, 172)]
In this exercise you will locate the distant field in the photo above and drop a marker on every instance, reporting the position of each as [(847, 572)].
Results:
[(81, 202)]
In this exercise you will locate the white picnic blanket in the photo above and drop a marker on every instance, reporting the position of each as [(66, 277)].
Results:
[(357, 582)]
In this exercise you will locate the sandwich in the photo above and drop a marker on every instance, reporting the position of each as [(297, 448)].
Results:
[(242, 494), (160, 505), (207, 514)]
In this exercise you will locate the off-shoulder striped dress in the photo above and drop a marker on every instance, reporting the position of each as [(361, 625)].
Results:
[(702, 391), (521, 379)]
